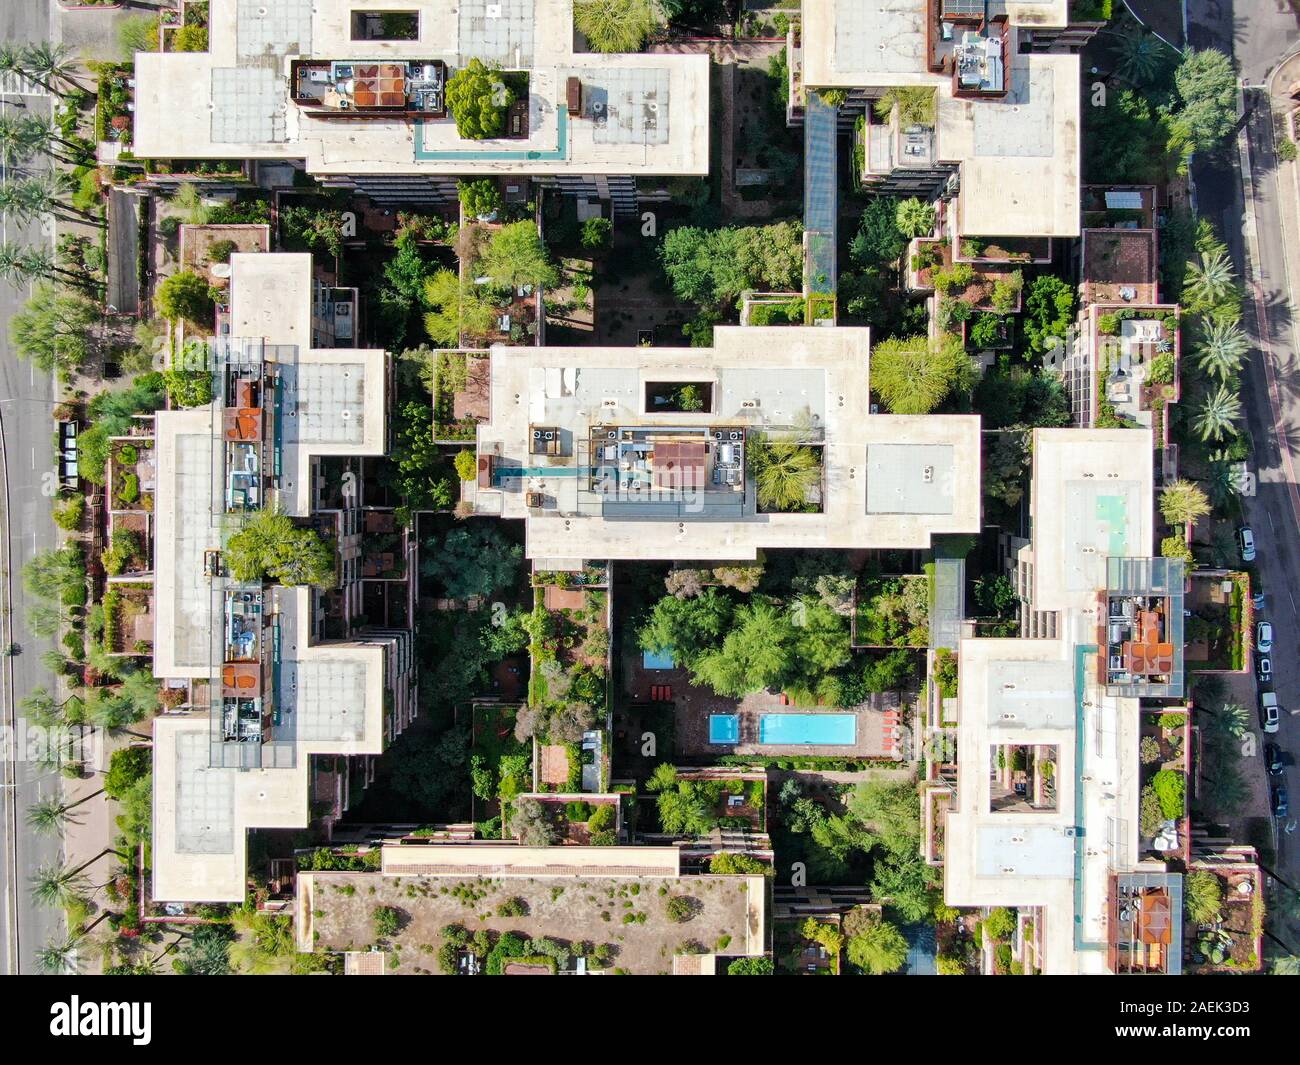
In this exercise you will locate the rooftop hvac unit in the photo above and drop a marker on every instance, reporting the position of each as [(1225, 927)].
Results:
[(749, 404), (735, 433), (927, 474)]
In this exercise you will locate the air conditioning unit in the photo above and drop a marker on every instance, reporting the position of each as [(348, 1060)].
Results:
[(927, 474)]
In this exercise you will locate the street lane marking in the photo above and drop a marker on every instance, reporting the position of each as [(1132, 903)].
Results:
[(15, 84)]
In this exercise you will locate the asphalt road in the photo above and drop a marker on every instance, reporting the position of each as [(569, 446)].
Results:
[(1259, 33), (25, 406)]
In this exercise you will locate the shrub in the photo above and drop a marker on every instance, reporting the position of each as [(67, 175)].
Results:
[(1171, 788), (126, 767), (386, 921), (1161, 369), (478, 99), (597, 233), (513, 907), (1149, 750), (762, 966), (128, 491), (958, 276), (185, 295), (1176, 547), (480, 199), (69, 511), (986, 331), (1005, 291), (219, 251), (466, 463), (1202, 897), (680, 908)]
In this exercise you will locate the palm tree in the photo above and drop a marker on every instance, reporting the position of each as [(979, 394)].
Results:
[(46, 619), (1209, 279), (1218, 414), (49, 817), (15, 143), (11, 61), (42, 196), (1221, 477), (1230, 721), (783, 474), (1182, 502), (45, 709), (58, 885), (35, 136), (1140, 58), (50, 65), (58, 957), (20, 265), (914, 217), (1222, 349)]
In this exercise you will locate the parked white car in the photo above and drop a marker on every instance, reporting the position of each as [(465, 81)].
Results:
[(1270, 714), (1264, 637), (1246, 541)]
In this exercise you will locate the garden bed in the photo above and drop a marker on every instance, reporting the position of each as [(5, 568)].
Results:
[(892, 611)]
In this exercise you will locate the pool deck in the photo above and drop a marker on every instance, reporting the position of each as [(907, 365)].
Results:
[(693, 706)]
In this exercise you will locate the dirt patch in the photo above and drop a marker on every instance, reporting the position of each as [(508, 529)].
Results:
[(630, 916)]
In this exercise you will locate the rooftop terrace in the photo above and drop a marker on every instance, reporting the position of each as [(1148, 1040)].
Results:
[(589, 897), (303, 80), (622, 475)]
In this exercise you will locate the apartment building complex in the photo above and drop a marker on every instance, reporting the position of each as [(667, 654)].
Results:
[(999, 138), (644, 453), (356, 94), (269, 701)]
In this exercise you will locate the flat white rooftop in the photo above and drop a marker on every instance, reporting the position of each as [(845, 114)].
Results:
[(889, 481), (234, 101), (1019, 155), (329, 698), (1091, 499)]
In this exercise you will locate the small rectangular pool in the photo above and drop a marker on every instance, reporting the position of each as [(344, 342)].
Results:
[(811, 730), (724, 728), (657, 659)]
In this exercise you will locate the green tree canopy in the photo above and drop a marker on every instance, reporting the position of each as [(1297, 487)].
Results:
[(878, 949), (456, 308), (185, 295), (54, 329), (479, 98), (516, 256), (270, 546), (480, 198), (1049, 311), (784, 472), (711, 267), (1207, 93), (473, 559)]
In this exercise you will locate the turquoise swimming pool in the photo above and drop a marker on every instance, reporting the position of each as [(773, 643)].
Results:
[(724, 728), (809, 730)]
